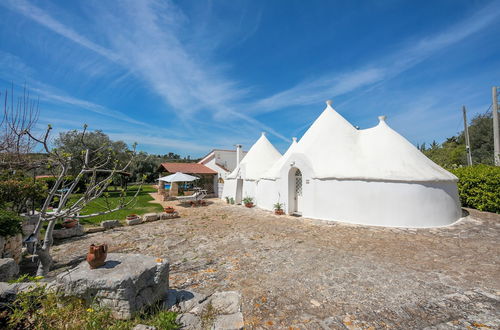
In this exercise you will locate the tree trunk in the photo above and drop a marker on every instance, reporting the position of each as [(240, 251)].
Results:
[(45, 260)]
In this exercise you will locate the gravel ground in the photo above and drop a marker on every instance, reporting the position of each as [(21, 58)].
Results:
[(309, 274)]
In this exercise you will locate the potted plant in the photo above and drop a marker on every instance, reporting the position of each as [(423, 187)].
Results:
[(231, 200), (278, 209), (69, 223), (227, 199), (248, 201), (169, 209)]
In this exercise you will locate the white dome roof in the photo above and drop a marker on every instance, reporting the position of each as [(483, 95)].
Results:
[(274, 172), (261, 156), (337, 150)]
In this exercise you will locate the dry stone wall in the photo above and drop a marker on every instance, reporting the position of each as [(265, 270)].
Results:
[(11, 247)]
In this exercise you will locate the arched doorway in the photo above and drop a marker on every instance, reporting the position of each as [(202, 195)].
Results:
[(295, 191)]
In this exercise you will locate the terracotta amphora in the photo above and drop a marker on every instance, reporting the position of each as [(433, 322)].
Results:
[(97, 255)]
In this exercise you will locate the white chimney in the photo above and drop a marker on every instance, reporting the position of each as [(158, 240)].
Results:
[(238, 154)]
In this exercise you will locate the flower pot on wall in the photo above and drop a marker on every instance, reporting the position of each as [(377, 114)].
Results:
[(169, 209), (279, 212), (69, 223)]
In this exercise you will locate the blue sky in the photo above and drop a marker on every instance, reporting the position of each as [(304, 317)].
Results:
[(189, 76)]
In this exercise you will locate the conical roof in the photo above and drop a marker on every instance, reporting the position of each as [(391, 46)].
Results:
[(274, 172), (337, 150), (261, 156)]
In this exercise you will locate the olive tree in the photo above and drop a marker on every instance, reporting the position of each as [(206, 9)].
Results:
[(97, 166)]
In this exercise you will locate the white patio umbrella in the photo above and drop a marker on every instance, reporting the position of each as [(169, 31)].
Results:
[(178, 177)]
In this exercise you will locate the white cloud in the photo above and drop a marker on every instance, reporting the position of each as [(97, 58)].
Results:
[(43, 18), (148, 39), (332, 84), (143, 38)]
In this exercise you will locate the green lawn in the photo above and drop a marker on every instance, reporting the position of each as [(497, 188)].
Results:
[(140, 206)]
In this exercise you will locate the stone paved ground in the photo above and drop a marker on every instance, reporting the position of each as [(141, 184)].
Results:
[(302, 273)]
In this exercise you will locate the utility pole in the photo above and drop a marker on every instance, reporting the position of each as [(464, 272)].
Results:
[(467, 141), (496, 133)]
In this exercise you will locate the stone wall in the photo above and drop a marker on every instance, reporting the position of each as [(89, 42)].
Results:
[(29, 223), (11, 247)]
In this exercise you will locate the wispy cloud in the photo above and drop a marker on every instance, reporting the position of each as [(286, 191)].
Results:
[(161, 142), (334, 84), (43, 18), (143, 39), (175, 56), (312, 91)]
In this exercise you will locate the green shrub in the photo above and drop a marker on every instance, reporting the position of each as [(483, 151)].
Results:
[(479, 187), (16, 193), (39, 308), (10, 223)]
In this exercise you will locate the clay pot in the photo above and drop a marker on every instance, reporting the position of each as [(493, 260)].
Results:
[(69, 223), (169, 209), (279, 212), (249, 205), (132, 216), (97, 255)]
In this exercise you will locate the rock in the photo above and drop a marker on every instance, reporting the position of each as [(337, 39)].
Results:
[(127, 283), (171, 299), (8, 292), (134, 221), (229, 322), (143, 327), (29, 223), (92, 230), (8, 269), (110, 224), (227, 302), (11, 247), (165, 216), (68, 232), (189, 321), (150, 217), (190, 302)]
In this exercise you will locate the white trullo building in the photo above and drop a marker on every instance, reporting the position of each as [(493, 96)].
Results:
[(372, 176), (242, 182)]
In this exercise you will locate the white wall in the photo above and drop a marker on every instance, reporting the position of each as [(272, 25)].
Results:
[(396, 204), (267, 194), (249, 189), (229, 189), (227, 159)]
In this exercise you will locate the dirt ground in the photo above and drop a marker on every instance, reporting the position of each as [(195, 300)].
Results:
[(309, 274)]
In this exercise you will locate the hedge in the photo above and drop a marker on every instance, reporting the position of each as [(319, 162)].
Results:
[(479, 187), (10, 223)]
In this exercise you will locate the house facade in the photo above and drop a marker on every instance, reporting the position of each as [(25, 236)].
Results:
[(223, 162)]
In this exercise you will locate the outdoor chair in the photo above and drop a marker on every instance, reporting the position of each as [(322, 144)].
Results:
[(196, 198)]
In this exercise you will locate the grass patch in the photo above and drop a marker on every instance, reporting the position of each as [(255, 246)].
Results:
[(140, 206)]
